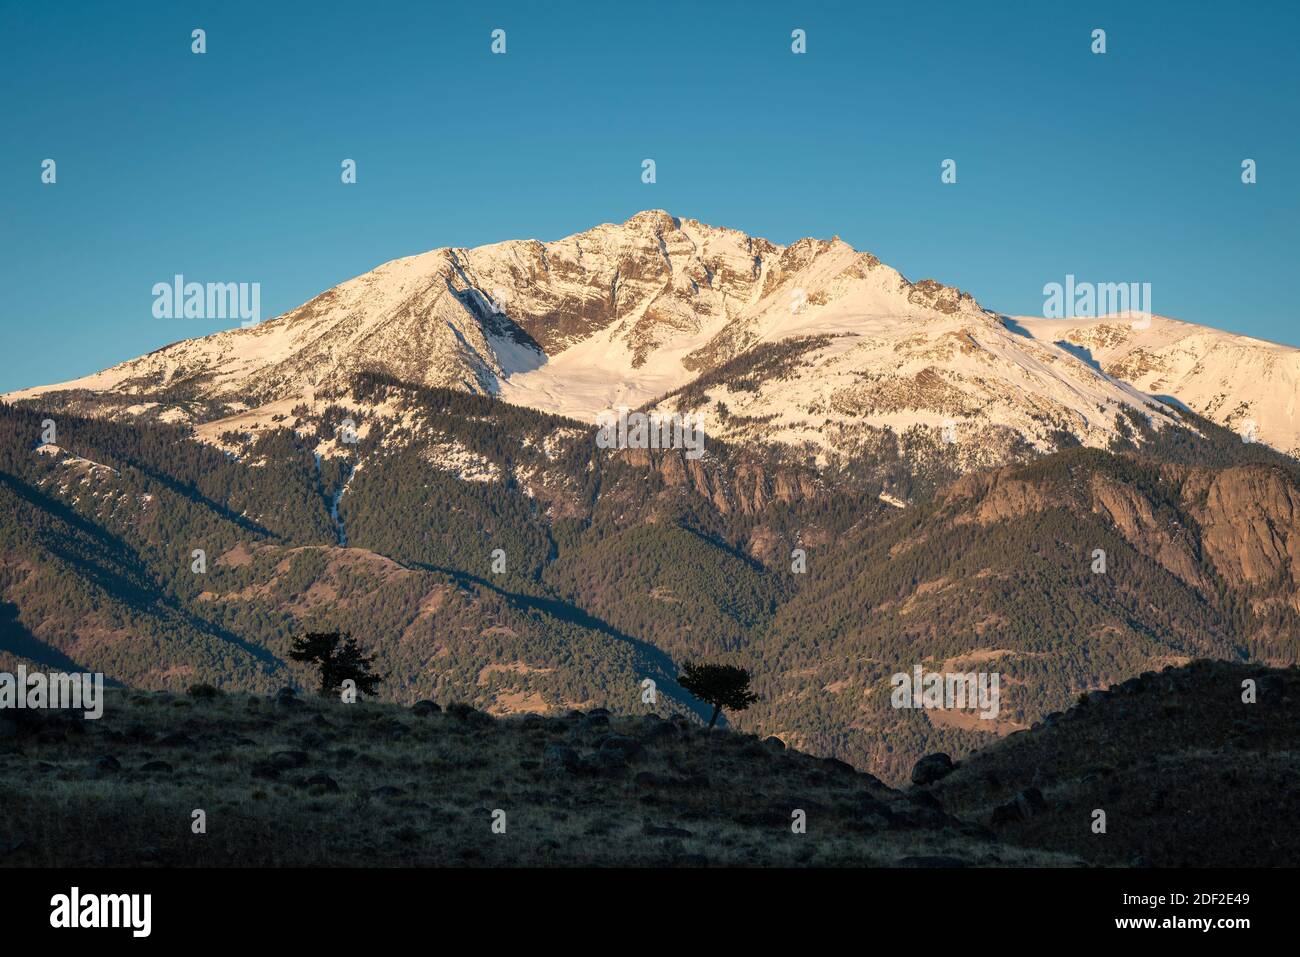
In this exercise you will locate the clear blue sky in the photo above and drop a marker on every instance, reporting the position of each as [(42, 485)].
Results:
[(225, 166)]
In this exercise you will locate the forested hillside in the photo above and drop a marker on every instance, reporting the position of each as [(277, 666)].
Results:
[(493, 554)]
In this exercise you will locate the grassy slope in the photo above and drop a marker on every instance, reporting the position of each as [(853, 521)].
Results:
[(421, 791), (1188, 774)]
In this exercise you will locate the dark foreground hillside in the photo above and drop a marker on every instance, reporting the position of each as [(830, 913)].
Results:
[(1186, 776), (1187, 773), (321, 783)]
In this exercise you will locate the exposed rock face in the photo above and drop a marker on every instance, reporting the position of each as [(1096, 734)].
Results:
[(747, 488), (1169, 544), (1245, 520), (1250, 522)]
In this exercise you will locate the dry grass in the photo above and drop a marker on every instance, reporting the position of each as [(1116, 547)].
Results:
[(1187, 774), (421, 791)]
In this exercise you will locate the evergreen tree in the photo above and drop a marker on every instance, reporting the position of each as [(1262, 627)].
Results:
[(338, 663), (723, 686)]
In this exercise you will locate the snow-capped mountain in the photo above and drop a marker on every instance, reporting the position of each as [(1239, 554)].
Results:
[(1245, 384), (813, 346)]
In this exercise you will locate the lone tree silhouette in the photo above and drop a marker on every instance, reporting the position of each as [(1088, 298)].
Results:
[(337, 664), (723, 686)]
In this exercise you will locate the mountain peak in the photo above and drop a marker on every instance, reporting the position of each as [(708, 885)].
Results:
[(658, 218), (813, 346)]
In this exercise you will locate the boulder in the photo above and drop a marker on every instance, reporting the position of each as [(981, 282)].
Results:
[(285, 760), (660, 731), (625, 745), (608, 763), (559, 758), (323, 781), (468, 714), (931, 768)]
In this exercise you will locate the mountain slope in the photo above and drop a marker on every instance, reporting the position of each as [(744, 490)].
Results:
[(1245, 384), (631, 313), (1187, 772), (617, 566)]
